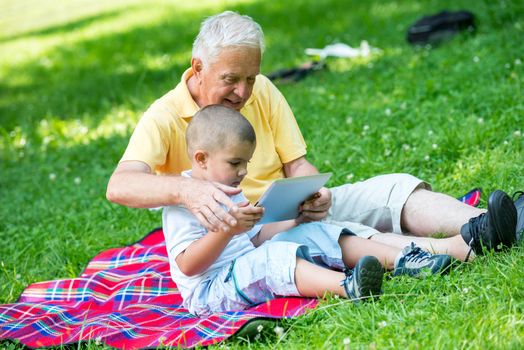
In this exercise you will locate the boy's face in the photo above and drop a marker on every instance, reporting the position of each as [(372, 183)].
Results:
[(228, 165)]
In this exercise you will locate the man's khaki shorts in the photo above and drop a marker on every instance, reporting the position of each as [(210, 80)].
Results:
[(374, 205)]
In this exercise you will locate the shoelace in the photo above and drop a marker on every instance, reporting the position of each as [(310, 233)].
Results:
[(517, 195), (347, 271), (416, 254), (477, 224), (346, 281)]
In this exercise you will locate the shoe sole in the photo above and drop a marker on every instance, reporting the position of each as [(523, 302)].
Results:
[(368, 274), (519, 206), (445, 265), (506, 222)]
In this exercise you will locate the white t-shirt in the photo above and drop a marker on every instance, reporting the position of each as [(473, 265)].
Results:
[(181, 228)]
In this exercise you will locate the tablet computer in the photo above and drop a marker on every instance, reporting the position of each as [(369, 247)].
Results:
[(283, 198)]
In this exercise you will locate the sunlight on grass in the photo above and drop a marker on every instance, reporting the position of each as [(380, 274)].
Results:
[(130, 14), (22, 17), (44, 45), (346, 64), (27, 49), (66, 133), (383, 9), (19, 17), (162, 61), (58, 133)]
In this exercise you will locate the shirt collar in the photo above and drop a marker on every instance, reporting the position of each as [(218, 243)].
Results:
[(186, 173), (188, 107)]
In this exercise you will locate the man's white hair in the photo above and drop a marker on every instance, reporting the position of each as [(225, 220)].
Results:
[(227, 29)]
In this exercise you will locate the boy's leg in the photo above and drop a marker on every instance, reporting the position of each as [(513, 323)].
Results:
[(353, 248), (283, 269), (454, 246), (315, 281), (410, 260), (363, 281)]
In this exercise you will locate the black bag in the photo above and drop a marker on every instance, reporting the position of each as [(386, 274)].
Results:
[(435, 28)]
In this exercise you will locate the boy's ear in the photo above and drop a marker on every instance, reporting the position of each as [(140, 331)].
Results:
[(200, 158)]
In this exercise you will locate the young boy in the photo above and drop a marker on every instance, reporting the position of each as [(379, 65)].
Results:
[(228, 271)]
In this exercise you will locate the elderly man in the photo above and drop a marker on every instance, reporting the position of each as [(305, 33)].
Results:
[(225, 69)]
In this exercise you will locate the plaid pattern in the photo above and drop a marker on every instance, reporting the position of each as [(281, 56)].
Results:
[(126, 299), (472, 197)]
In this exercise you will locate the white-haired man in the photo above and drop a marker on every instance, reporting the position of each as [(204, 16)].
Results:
[(225, 69)]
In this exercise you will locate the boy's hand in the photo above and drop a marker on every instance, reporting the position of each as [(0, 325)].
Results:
[(316, 208), (247, 216)]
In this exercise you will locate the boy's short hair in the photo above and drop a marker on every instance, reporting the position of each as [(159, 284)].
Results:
[(216, 126)]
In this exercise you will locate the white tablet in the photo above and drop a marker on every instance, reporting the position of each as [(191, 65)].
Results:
[(283, 198)]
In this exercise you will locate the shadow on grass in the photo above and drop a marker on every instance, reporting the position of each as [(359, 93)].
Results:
[(65, 27), (85, 80)]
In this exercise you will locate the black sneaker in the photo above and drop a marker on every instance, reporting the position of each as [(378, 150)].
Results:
[(494, 229), (519, 205), (365, 280), (417, 262)]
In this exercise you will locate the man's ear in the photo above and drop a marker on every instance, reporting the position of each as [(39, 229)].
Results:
[(198, 66), (200, 158)]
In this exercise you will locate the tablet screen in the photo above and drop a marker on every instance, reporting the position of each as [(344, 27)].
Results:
[(283, 198)]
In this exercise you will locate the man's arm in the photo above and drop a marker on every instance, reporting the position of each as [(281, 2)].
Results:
[(316, 208), (132, 184)]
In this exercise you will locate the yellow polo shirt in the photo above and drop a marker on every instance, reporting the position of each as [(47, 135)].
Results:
[(159, 139)]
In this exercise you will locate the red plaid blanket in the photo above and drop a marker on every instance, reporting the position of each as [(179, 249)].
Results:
[(126, 299)]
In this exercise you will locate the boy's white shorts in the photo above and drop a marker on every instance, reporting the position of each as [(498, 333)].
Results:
[(269, 270), (253, 278)]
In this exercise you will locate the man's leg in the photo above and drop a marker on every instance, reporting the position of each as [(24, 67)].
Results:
[(426, 213), (401, 203)]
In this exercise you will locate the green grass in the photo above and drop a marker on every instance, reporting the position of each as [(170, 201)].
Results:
[(75, 78)]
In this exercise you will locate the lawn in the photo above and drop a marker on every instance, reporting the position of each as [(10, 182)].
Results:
[(76, 75)]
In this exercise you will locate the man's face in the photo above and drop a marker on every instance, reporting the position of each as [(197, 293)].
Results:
[(228, 165), (229, 78)]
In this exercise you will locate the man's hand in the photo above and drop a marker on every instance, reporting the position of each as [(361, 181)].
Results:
[(203, 199), (316, 208)]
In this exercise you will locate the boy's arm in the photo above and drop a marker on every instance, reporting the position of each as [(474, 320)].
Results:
[(269, 230), (203, 252)]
